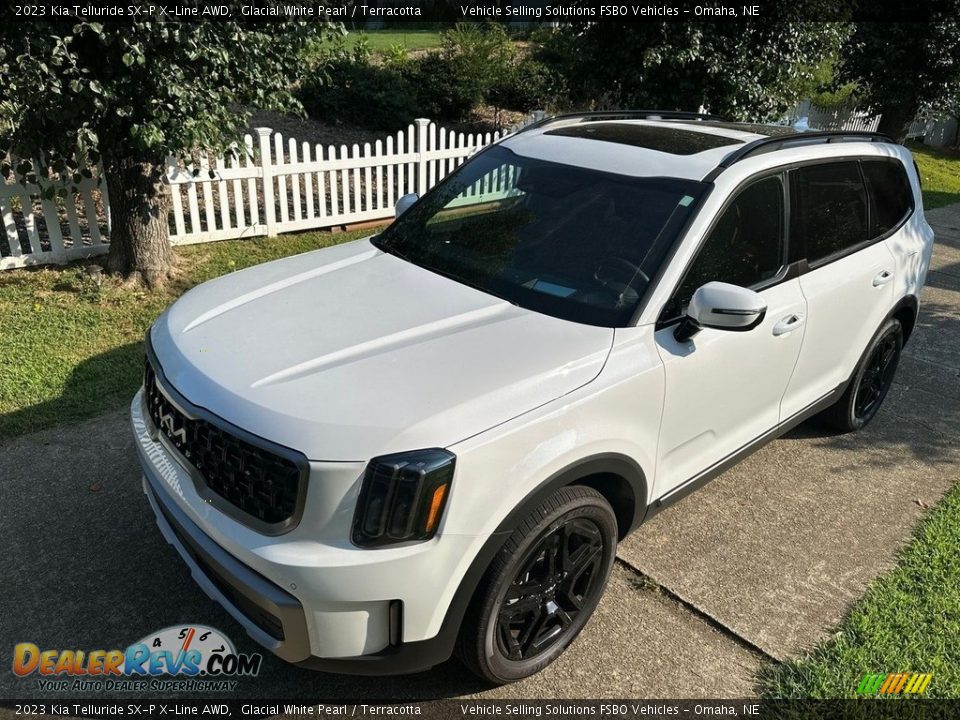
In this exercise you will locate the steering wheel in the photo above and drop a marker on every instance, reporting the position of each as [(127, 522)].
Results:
[(619, 275)]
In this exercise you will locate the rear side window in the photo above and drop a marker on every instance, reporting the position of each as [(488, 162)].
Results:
[(829, 209), (891, 198)]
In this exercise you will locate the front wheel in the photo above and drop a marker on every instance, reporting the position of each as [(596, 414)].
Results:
[(541, 588), (870, 382)]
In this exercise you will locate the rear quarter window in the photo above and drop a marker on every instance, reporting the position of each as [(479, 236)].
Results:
[(891, 197)]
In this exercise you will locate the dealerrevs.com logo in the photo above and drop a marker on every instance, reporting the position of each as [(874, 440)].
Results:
[(192, 658)]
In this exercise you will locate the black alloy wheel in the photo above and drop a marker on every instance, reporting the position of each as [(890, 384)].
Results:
[(870, 381), (554, 583), (877, 376), (542, 586)]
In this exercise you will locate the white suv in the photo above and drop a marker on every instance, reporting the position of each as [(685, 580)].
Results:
[(430, 441)]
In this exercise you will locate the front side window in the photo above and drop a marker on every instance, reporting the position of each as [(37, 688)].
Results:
[(563, 240), (891, 198), (745, 246), (828, 213)]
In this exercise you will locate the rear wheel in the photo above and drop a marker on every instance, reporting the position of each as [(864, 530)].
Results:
[(541, 588), (871, 381)]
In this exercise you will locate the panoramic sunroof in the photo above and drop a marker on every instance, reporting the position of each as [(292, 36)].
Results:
[(675, 141), (759, 129)]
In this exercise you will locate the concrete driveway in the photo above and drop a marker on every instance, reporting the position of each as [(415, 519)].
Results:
[(755, 567)]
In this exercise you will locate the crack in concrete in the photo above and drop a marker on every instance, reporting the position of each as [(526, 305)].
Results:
[(701, 614)]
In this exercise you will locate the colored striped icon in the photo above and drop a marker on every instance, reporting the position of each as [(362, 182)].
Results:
[(894, 683)]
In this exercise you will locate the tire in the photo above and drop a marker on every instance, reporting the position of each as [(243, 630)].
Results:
[(870, 381), (504, 640)]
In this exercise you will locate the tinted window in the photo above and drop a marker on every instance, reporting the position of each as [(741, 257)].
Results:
[(562, 240), (829, 212), (890, 195), (676, 141), (745, 246)]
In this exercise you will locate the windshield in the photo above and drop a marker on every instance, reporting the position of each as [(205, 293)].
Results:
[(562, 240)]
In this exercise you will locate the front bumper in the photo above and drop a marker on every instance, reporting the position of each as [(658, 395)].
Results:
[(270, 615), (331, 608)]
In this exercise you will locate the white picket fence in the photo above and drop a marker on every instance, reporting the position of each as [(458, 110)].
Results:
[(845, 117), (40, 230), (934, 129), (270, 185)]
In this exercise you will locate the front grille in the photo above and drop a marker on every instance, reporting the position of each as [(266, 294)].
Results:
[(262, 484)]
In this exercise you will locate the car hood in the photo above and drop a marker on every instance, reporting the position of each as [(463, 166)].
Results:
[(348, 352)]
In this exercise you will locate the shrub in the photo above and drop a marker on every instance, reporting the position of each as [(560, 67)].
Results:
[(483, 50), (396, 55), (371, 96), (444, 88), (525, 86), (475, 58)]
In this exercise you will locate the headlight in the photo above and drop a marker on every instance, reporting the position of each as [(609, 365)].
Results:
[(402, 497)]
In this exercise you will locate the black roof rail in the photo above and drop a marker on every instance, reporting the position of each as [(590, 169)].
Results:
[(779, 142), (598, 115)]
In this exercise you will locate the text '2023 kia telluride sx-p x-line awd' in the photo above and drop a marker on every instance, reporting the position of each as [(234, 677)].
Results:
[(430, 441)]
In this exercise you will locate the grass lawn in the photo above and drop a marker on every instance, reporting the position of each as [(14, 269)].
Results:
[(940, 172), (70, 350), (380, 40), (909, 621)]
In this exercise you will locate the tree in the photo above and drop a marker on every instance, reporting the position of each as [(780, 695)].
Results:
[(129, 94), (901, 68), (746, 71)]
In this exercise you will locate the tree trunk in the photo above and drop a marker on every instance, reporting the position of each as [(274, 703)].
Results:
[(139, 204), (895, 120)]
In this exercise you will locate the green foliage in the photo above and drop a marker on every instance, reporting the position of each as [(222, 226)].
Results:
[(354, 90), (822, 86), (476, 64), (742, 70), (901, 68), (526, 85), (140, 90), (476, 57), (373, 96), (483, 51), (396, 55), (445, 88)]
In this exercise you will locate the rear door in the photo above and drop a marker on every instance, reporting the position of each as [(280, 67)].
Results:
[(848, 285)]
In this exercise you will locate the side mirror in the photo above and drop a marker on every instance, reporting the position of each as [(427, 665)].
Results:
[(405, 203), (721, 306)]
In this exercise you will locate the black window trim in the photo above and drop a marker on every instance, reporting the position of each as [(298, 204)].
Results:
[(863, 244), (911, 206), (792, 268), (785, 266)]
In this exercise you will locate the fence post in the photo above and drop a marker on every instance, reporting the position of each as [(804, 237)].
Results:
[(266, 173), (422, 124)]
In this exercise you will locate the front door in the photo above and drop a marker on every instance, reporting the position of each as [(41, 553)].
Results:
[(723, 388)]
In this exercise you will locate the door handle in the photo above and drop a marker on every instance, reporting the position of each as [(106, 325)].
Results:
[(788, 324), (882, 278)]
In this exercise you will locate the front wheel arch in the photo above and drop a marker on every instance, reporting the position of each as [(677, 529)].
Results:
[(609, 470)]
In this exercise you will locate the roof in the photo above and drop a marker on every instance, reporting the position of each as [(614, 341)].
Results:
[(694, 149), (649, 148)]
